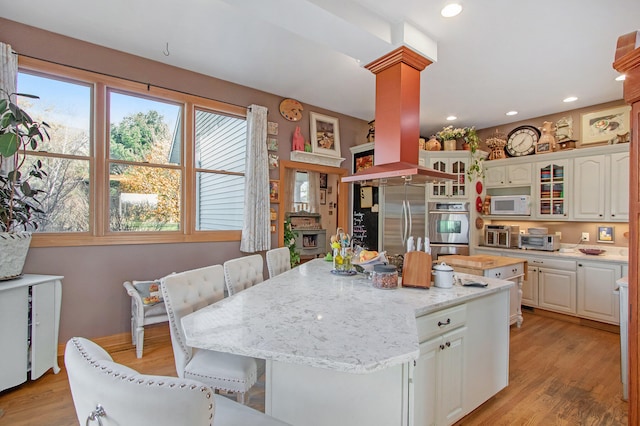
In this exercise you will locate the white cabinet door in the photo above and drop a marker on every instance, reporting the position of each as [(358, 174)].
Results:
[(519, 174), (43, 336), (507, 176), (495, 177), (530, 287), (557, 290), (552, 189), (589, 180), (596, 286), (619, 188), (451, 376), (455, 164), (425, 376), (14, 316)]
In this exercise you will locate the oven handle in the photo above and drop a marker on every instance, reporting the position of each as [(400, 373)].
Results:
[(403, 223)]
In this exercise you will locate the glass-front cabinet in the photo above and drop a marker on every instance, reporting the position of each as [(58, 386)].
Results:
[(552, 182), (456, 165)]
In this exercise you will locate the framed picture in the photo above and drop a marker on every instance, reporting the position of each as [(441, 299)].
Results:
[(363, 162), (272, 144), (274, 191), (272, 128), (604, 125), (323, 197), (605, 234), (273, 161), (325, 135), (323, 180)]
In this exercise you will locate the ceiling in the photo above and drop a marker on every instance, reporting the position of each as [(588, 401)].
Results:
[(496, 56)]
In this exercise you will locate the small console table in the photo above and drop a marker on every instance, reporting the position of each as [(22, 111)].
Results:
[(29, 326)]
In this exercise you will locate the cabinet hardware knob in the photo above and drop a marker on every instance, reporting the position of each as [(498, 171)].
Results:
[(613, 215), (579, 264), (448, 344), (440, 324), (441, 347)]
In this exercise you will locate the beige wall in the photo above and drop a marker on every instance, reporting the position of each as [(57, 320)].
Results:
[(94, 303)]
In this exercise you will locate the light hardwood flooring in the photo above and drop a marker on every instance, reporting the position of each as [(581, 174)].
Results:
[(560, 374)]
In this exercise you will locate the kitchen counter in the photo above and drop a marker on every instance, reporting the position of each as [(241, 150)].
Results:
[(312, 317), (612, 254), (482, 262), (339, 351)]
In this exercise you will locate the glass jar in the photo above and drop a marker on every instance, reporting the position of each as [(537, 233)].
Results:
[(384, 276)]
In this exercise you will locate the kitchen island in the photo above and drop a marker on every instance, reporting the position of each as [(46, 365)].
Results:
[(341, 352)]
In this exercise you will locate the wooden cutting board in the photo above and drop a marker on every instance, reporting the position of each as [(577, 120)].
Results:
[(416, 269), (478, 261)]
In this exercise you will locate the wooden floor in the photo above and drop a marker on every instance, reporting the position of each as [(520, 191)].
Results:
[(560, 374)]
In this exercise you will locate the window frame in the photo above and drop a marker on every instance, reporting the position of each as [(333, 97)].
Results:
[(99, 233)]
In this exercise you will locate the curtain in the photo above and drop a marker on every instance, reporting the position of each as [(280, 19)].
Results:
[(256, 233), (8, 83), (314, 192)]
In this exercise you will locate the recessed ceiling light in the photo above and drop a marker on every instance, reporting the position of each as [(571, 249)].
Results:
[(451, 118), (570, 99), (451, 10), (621, 77), (512, 113)]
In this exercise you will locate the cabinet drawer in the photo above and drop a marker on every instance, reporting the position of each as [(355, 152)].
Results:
[(440, 322), (505, 272), (565, 265)]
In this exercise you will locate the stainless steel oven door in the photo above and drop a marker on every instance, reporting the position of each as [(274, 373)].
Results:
[(448, 227)]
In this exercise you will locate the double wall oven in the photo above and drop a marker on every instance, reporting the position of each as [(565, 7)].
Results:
[(448, 228)]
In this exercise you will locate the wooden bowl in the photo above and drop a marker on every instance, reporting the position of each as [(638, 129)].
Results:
[(593, 252)]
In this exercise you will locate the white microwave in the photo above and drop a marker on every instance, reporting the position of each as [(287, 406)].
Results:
[(516, 205)]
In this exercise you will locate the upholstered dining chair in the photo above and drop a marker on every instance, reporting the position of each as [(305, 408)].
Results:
[(143, 311), (111, 394), (243, 272), (278, 261), (184, 293)]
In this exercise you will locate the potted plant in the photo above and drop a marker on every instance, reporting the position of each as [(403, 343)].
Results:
[(475, 168), (19, 201)]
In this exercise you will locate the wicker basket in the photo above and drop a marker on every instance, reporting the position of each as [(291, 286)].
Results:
[(14, 247)]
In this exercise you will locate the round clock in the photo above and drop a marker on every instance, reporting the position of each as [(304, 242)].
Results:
[(522, 141), (291, 109)]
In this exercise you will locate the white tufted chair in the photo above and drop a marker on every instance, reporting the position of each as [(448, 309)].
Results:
[(278, 261), (111, 394), (243, 272), (184, 293)]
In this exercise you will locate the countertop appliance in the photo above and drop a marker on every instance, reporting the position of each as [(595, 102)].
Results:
[(504, 236), (511, 205), (539, 242), (402, 215), (448, 228)]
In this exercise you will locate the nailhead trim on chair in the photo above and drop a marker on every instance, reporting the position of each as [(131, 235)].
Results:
[(141, 380)]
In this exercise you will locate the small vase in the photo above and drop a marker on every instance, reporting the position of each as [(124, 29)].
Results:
[(450, 145), (432, 144), (466, 146)]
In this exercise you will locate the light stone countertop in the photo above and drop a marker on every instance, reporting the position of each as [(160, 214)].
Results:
[(612, 254), (312, 317)]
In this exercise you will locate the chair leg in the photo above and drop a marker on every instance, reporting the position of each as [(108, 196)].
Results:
[(139, 341), (240, 397)]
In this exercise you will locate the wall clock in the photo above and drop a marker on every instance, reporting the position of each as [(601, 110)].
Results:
[(291, 109), (522, 141)]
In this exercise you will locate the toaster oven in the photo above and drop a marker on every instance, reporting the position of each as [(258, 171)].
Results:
[(539, 242)]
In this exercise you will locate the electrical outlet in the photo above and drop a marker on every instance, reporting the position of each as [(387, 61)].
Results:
[(585, 236), (559, 234)]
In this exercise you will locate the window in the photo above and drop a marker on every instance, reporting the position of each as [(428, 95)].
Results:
[(129, 164), (301, 192)]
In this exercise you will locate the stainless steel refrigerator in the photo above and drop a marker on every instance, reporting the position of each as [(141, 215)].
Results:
[(402, 214)]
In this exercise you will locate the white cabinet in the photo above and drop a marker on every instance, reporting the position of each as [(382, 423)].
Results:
[(596, 286), (507, 176), (530, 287), (551, 285), (453, 162), (618, 190), (436, 394), (29, 324), (552, 189), (589, 187), (601, 187), (438, 380)]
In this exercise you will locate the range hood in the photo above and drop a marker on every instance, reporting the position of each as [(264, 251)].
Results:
[(397, 123)]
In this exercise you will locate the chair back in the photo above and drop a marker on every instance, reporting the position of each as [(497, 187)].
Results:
[(184, 293), (243, 272), (130, 398), (278, 261)]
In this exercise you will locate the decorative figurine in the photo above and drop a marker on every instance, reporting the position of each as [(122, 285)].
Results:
[(298, 140)]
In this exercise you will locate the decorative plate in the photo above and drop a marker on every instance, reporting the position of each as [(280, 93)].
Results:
[(291, 109), (479, 223), (593, 252), (479, 204), (479, 187), (345, 273)]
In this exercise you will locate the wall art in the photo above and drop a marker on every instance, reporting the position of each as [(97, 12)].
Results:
[(325, 134)]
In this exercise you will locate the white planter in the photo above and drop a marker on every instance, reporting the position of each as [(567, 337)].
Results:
[(14, 247)]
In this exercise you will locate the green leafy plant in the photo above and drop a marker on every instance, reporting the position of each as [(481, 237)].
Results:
[(290, 241), (19, 133)]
